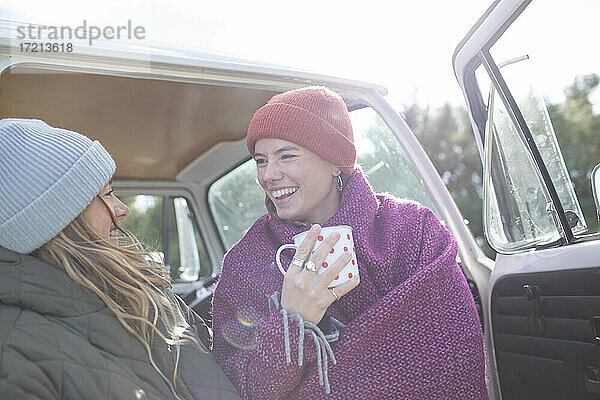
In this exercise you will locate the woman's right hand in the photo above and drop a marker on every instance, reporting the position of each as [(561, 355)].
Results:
[(306, 293)]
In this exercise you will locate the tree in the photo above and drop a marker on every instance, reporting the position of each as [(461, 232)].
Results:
[(577, 128), (447, 137)]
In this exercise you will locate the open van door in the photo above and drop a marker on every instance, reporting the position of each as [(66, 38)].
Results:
[(543, 296)]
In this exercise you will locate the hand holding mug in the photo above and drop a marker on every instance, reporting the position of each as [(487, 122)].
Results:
[(306, 291), (344, 244)]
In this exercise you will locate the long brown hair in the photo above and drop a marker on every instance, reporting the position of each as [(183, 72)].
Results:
[(122, 274)]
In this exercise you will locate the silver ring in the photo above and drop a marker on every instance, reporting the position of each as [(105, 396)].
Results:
[(334, 295), (310, 265), (298, 262)]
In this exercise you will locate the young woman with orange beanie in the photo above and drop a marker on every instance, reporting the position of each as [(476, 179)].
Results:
[(404, 327)]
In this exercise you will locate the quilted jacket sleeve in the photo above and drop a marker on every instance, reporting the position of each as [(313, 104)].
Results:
[(21, 377), (198, 370), (10, 390)]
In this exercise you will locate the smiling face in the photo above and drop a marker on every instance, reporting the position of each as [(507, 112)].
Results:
[(98, 214), (299, 182)]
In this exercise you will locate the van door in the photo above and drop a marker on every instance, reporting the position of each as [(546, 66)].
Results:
[(543, 300)]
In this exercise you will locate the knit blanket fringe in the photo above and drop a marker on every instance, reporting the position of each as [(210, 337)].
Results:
[(322, 341)]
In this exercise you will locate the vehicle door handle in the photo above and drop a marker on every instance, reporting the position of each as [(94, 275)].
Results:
[(596, 330), (533, 295)]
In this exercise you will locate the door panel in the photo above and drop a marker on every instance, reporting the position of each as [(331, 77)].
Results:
[(543, 337)]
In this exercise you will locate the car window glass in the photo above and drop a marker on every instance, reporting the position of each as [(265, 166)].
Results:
[(236, 200), (557, 91), (166, 225), (384, 161), (516, 213)]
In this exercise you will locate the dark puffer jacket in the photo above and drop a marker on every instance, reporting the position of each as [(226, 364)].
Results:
[(58, 340)]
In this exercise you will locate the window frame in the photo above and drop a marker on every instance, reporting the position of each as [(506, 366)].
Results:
[(564, 229), (478, 111), (129, 188)]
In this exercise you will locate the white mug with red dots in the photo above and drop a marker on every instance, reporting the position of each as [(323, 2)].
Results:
[(343, 245)]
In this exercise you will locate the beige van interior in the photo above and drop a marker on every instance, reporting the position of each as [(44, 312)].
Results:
[(153, 128)]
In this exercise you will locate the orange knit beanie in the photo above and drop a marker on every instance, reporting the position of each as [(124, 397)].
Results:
[(315, 118)]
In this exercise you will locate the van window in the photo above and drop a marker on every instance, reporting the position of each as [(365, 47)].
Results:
[(384, 161), (166, 225), (236, 200), (559, 104)]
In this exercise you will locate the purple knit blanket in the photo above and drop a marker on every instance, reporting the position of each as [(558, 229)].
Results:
[(411, 327)]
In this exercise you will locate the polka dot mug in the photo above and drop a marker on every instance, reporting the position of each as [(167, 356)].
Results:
[(344, 244)]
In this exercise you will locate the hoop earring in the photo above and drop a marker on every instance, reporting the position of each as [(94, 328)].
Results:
[(339, 184)]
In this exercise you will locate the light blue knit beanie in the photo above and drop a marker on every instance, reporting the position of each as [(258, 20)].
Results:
[(48, 176)]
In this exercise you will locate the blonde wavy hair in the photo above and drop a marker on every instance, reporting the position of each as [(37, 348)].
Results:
[(122, 274)]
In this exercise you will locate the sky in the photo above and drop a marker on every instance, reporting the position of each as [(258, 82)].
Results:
[(406, 46)]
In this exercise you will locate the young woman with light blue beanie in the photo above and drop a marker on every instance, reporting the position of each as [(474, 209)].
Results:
[(83, 314)]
